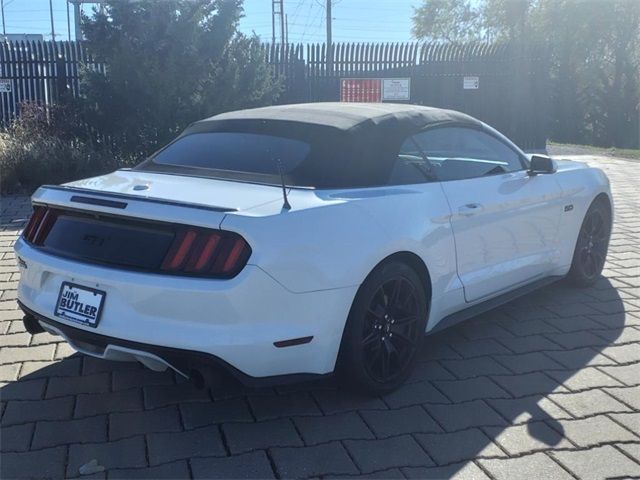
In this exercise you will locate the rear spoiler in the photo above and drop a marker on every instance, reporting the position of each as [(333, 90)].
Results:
[(98, 198), (131, 205)]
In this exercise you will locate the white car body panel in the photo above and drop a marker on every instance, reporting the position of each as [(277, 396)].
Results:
[(580, 184), (307, 263), (189, 190), (236, 320), (506, 230)]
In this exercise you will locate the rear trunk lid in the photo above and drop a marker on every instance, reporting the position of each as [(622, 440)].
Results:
[(212, 193), (154, 196), (146, 221)]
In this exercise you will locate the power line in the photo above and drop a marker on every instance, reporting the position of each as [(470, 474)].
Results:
[(294, 16), (33, 10), (374, 28), (309, 21), (33, 29)]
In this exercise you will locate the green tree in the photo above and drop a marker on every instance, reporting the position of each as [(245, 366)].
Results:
[(594, 52), (168, 64), (506, 19), (594, 48), (464, 20), (449, 20)]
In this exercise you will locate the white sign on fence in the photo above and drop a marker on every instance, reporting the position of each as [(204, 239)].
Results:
[(5, 85), (396, 89), (471, 83)]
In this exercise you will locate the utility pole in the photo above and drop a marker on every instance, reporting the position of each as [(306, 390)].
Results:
[(77, 14), (329, 39), (53, 30), (4, 29), (277, 15), (286, 29), (282, 39), (68, 24), (273, 22)]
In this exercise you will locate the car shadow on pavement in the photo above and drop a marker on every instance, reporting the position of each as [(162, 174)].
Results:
[(531, 376)]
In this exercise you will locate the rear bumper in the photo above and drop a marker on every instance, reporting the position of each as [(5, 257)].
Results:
[(158, 358), (235, 321)]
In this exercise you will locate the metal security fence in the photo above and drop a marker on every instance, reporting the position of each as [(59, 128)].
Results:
[(506, 85), (39, 72)]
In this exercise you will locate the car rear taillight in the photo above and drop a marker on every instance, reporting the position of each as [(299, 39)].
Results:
[(137, 244), (34, 221), (207, 252), (40, 224)]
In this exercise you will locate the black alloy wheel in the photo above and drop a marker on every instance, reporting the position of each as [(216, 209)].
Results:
[(384, 330), (592, 245), (390, 334)]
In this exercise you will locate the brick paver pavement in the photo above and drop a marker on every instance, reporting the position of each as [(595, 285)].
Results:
[(546, 386)]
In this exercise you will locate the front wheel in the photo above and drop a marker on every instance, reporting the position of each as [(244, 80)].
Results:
[(384, 330), (592, 245)]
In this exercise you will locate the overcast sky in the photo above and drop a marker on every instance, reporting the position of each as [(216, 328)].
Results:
[(353, 20)]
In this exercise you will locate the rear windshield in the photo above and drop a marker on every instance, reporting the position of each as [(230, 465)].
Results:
[(235, 152), (317, 156)]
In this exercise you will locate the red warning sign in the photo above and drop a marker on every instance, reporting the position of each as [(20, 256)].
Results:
[(361, 90)]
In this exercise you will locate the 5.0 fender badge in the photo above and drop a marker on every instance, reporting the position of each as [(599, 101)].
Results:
[(568, 208)]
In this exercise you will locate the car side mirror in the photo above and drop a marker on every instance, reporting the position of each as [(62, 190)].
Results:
[(541, 164)]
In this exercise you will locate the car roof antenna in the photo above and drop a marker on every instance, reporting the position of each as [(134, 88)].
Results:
[(286, 205)]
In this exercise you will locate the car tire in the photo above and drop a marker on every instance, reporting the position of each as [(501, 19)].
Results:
[(591, 245), (384, 330)]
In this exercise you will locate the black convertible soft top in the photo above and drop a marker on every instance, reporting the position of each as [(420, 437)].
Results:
[(354, 118), (351, 144)]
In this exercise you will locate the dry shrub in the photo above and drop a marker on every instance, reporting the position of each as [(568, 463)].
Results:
[(48, 146)]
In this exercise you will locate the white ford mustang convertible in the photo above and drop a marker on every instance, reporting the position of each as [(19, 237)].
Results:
[(293, 241)]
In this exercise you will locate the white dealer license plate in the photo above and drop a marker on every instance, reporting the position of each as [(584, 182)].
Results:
[(80, 304)]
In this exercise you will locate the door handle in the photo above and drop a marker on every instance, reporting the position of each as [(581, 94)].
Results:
[(470, 209)]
